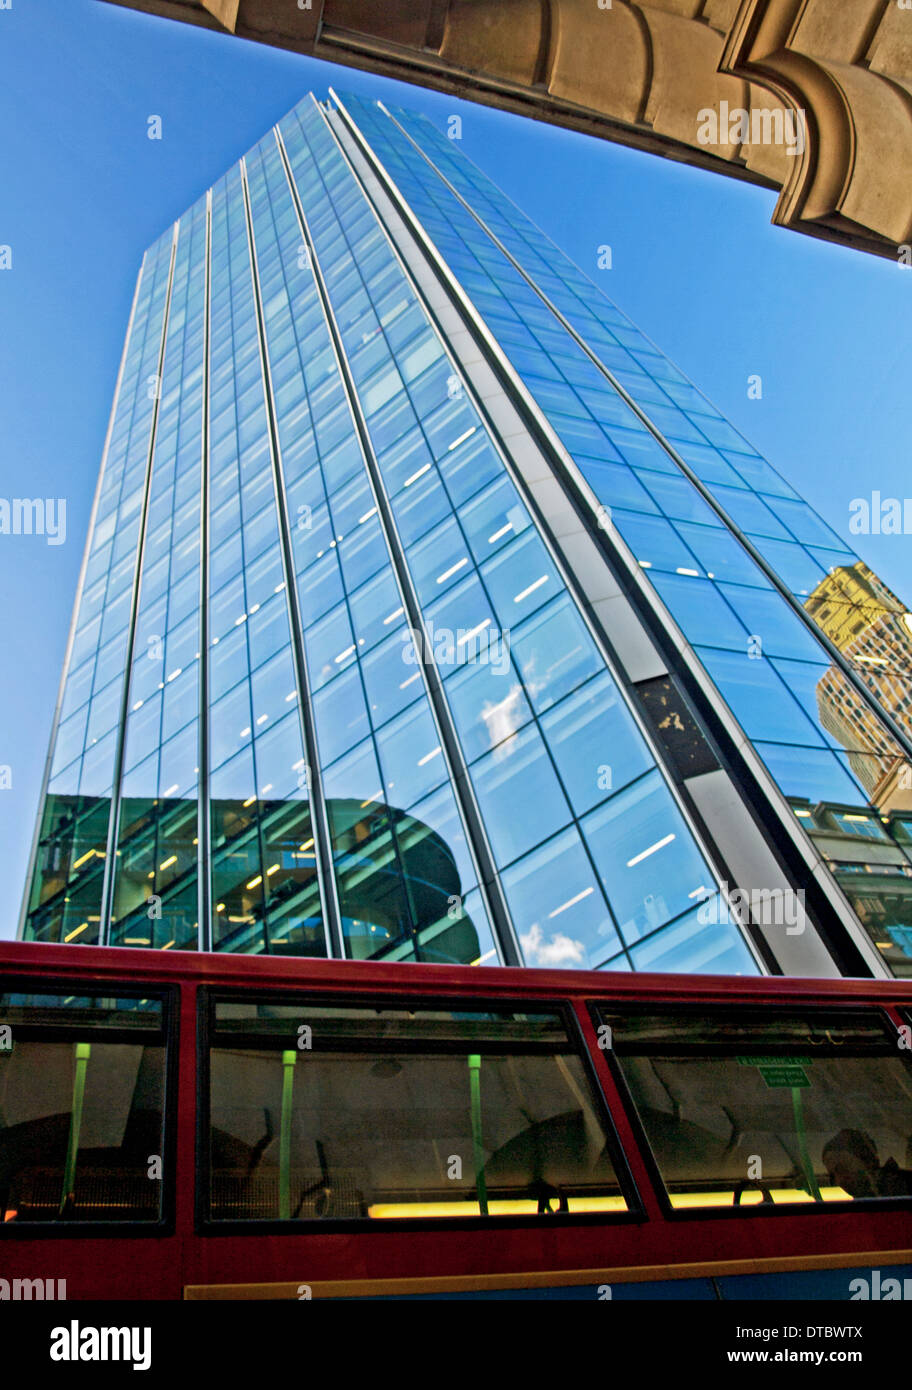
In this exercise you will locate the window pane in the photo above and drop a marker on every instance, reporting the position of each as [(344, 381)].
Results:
[(82, 1096), (646, 857), (596, 744), (505, 1123), (520, 796), (555, 895), (792, 1108), (555, 653)]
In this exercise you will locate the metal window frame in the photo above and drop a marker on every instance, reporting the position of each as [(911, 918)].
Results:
[(204, 824)]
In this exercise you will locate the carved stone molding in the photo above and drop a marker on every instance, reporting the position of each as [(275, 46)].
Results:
[(810, 97)]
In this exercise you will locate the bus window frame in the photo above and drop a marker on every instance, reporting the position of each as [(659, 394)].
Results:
[(208, 995), (756, 1210), (169, 992)]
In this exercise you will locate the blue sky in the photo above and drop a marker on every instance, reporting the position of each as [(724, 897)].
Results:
[(83, 191)]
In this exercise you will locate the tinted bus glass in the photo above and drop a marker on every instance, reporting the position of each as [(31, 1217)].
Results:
[(323, 1112), (82, 1087), (810, 1107)]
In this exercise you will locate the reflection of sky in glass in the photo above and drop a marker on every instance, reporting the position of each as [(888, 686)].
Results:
[(746, 635), (510, 712)]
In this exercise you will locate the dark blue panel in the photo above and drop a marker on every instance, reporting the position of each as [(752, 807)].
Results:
[(814, 1284), (671, 1289)]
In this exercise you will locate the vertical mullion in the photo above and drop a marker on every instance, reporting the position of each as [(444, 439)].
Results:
[(203, 834), (326, 879), (107, 891)]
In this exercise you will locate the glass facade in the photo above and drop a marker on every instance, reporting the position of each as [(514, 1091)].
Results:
[(332, 690), (657, 455)]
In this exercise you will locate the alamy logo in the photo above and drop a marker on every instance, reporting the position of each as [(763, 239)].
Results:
[(880, 516), (760, 126), (24, 1290), (880, 1290), (34, 516), (75, 1343), (481, 645), (772, 906)]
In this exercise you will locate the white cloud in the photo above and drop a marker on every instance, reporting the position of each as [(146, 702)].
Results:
[(559, 950)]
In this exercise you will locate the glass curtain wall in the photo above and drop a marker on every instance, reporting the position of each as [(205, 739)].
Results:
[(412, 745), (831, 754)]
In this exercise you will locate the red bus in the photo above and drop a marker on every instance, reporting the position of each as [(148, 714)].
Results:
[(222, 1126)]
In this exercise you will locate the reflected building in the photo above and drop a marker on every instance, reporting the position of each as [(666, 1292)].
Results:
[(428, 612), (868, 849), (399, 883), (873, 629)]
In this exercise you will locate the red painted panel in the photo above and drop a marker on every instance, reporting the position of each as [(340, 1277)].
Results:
[(156, 1267)]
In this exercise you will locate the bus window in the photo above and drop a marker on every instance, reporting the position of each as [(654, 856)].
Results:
[(81, 1107), (800, 1107), (319, 1111)]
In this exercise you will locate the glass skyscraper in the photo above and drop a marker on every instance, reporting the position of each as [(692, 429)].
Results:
[(429, 613)]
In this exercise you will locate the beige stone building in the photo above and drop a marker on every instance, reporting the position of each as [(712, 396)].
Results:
[(812, 98)]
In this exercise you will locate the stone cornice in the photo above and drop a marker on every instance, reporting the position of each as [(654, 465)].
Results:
[(810, 97)]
